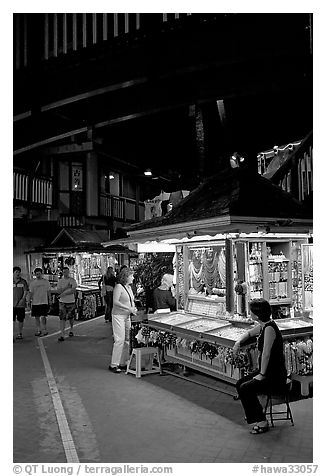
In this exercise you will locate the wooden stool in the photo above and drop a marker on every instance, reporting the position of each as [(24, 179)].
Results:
[(285, 395), (150, 368), (305, 381)]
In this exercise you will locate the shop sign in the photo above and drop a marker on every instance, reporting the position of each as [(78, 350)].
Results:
[(77, 178)]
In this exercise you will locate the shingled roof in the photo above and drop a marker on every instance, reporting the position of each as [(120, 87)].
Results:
[(233, 192)]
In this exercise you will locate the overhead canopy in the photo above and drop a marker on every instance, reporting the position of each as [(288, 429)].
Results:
[(75, 239), (235, 200)]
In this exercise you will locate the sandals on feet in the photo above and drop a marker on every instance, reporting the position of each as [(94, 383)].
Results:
[(115, 370), (257, 430)]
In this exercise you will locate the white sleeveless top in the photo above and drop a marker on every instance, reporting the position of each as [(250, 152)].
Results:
[(125, 297)]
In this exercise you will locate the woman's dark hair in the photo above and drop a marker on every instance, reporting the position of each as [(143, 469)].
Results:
[(261, 308), (124, 274), (110, 271), (17, 268), (38, 269)]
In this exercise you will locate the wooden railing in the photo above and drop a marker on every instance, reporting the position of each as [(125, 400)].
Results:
[(71, 221), (60, 33), (34, 190), (121, 208)]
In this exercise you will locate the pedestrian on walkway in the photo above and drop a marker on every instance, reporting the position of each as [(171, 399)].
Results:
[(20, 293), (271, 374), (40, 296), (66, 290), (106, 285), (123, 308)]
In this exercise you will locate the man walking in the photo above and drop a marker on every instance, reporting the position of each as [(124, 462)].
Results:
[(20, 292), (40, 295), (66, 290)]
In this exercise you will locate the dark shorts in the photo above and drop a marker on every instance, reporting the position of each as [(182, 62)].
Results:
[(66, 310), (19, 313), (40, 310)]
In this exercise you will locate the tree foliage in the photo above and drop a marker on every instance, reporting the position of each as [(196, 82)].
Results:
[(148, 273)]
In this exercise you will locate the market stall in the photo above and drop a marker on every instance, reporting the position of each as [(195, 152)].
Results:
[(226, 256), (87, 260)]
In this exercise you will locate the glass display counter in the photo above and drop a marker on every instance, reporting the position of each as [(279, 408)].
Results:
[(206, 344)]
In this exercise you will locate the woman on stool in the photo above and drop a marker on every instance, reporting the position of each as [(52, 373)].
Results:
[(271, 374)]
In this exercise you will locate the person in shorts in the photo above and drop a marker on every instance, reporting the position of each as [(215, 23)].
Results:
[(20, 293), (66, 290), (40, 295)]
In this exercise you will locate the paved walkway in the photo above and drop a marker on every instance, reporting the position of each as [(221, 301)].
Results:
[(118, 418)]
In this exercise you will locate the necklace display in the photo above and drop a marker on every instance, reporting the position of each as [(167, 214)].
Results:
[(207, 269)]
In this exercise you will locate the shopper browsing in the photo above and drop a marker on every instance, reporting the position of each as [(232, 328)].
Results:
[(106, 285), (123, 307), (20, 293), (271, 374), (40, 296), (164, 295), (66, 290)]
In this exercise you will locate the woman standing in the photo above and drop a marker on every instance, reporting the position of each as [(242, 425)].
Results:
[(271, 374), (123, 307), (108, 281)]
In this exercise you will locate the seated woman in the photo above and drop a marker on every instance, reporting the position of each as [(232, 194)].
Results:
[(271, 374), (164, 295)]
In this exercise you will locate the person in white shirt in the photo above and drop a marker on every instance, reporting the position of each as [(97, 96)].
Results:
[(66, 290), (123, 307), (40, 296)]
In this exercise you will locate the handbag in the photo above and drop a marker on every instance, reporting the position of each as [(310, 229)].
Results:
[(131, 300), (103, 289)]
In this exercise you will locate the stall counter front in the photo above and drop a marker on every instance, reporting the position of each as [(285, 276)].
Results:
[(205, 344)]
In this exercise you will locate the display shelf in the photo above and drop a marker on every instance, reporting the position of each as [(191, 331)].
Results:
[(203, 325), (278, 260), (171, 318), (295, 327), (204, 366), (280, 302)]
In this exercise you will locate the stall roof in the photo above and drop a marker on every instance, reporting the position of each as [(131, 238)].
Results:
[(76, 239), (235, 200)]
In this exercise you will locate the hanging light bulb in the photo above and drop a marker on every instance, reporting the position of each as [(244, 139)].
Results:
[(148, 172)]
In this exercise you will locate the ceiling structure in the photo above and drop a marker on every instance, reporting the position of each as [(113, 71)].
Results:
[(248, 75)]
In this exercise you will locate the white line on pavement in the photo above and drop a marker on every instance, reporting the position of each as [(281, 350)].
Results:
[(66, 436), (75, 325)]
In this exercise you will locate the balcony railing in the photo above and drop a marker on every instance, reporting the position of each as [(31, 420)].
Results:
[(60, 33), (71, 221), (34, 190), (121, 208)]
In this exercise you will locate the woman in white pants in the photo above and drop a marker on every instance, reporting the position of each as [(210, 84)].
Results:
[(123, 307)]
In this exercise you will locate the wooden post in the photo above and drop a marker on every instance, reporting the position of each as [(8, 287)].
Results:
[(94, 28), (74, 31), (55, 34), (64, 34), (229, 275), (105, 26), (84, 30)]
